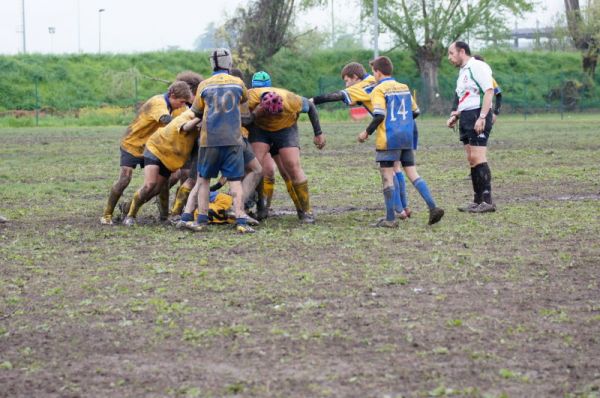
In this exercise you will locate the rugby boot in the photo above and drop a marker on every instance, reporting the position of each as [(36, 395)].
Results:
[(129, 221), (194, 226), (468, 207), (251, 220), (104, 220), (306, 217), (383, 223), (174, 219), (435, 215), (262, 210), (3, 220), (244, 229), (483, 207)]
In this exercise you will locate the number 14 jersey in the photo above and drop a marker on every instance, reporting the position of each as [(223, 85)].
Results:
[(395, 102)]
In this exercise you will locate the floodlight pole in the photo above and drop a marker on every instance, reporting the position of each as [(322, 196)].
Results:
[(100, 11), (24, 37), (78, 26), (375, 29)]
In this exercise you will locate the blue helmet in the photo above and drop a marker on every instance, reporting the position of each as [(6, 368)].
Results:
[(261, 79)]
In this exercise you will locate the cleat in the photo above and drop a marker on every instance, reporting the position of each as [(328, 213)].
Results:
[(483, 207), (194, 226), (403, 215), (129, 221), (468, 207), (244, 229), (106, 220), (174, 219), (306, 217), (124, 209), (251, 221), (435, 215), (383, 223)]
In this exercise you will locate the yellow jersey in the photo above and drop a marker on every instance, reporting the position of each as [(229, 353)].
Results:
[(293, 105), (394, 101), (146, 122), (360, 93), (218, 98), (172, 145)]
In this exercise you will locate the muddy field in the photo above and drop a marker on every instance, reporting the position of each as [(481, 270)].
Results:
[(494, 305)]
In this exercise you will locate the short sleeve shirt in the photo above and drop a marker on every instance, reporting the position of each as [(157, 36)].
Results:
[(474, 79)]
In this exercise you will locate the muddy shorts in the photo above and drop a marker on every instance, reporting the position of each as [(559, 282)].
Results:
[(151, 159), (128, 160), (229, 160), (284, 138)]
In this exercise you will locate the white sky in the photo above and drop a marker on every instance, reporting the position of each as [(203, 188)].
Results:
[(146, 25)]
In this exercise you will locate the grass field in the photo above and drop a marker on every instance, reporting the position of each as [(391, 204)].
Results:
[(494, 305)]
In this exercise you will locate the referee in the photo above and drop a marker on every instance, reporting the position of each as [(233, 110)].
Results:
[(475, 91)]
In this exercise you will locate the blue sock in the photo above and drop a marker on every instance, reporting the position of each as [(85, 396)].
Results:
[(421, 186), (388, 195), (240, 221), (187, 217), (402, 184), (397, 196), (202, 219)]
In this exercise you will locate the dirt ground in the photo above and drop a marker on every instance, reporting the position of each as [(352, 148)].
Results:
[(495, 305)]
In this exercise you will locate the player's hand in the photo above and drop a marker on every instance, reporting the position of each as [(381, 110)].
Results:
[(320, 141), (479, 125), (451, 122), (362, 137), (311, 100)]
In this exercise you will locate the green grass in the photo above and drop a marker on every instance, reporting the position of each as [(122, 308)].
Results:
[(502, 304)]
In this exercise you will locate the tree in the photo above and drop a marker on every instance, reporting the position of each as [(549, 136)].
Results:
[(427, 27), (208, 40), (584, 28)]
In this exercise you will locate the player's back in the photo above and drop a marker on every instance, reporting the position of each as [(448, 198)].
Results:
[(360, 93), (219, 98), (394, 100), (145, 123), (293, 105)]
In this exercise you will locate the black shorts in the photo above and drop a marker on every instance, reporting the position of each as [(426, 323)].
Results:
[(466, 126), (284, 138), (406, 157), (128, 160), (151, 159)]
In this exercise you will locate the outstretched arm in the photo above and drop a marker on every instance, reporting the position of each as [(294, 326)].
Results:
[(330, 97)]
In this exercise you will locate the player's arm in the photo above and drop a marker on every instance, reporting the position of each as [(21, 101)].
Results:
[(310, 108), (498, 104), (189, 126), (330, 97), (198, 105)]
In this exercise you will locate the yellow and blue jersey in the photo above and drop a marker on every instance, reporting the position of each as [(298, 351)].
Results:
[(219, 98), (360, 93), (293, 105), (146, 122), (395, 102), (497, 89)]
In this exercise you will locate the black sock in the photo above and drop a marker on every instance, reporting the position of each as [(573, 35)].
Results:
[(484, 177), (476, 195)]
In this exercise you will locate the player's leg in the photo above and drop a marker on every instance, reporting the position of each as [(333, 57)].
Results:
[(386, 169), (253, 172), (232, 168), (400, 197), (407, 160), (261, 152), (190, 206), (288, 182), (290, 158), (152, 181), (115, 194), (483, 180)]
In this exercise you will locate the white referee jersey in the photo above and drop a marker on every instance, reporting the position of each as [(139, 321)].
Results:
[(474, 79)]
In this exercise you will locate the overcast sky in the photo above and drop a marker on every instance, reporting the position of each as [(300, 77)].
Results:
[(146, 25)]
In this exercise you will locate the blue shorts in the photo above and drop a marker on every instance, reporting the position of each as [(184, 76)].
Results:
[(248, 152), (229, 160)]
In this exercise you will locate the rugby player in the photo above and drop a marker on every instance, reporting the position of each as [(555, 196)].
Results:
[(157, 112), (277, 135), (394, 126), (217, 103), (475, 90), (166, 151), (359, 85)]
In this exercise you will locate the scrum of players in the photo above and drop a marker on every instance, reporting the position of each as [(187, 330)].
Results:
[(216, 128)]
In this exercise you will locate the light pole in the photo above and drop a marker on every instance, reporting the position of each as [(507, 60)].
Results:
[(375, 29), (24, 37), (100, 11), (78, 27), (51, 31)]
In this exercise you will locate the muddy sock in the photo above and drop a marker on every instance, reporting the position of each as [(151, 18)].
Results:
[(483, 176), (268, 189), (292, 193), (113, 198), (136, 204), (180, 199), (388, 197), (476, 194), (303, 197)]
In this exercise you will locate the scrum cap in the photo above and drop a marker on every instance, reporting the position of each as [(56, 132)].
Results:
[(261, 79), (221, 59)]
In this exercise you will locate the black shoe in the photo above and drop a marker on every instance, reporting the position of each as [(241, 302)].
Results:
[(484, 207), (435, 215), (306, 217)]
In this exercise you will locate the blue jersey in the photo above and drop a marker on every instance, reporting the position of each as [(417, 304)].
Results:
[(219, 98), (394, 101)]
